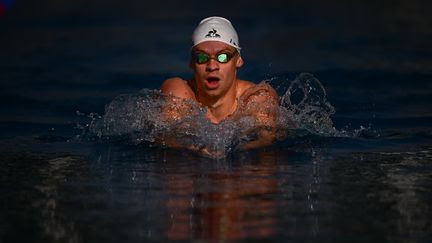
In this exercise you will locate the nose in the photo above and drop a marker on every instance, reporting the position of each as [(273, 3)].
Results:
[(212, 65)]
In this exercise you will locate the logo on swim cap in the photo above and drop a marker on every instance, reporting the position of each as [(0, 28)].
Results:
[(212, 33), (216, 29)]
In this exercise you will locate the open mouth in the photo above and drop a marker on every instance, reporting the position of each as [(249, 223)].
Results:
[(212, 82)]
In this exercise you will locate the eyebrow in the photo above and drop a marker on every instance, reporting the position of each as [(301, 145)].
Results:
[(224, 50)]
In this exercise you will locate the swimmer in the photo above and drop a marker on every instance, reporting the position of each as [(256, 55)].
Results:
[(215, 58)]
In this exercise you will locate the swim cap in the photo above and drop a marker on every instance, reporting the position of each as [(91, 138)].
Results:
[(216, 29)]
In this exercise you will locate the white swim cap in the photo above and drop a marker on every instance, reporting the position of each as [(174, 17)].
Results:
[(216, 29)]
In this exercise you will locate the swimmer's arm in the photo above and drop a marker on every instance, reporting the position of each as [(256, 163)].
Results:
[(175, 110), (264, 107), (177, 87), (176, 90), (168, 138)]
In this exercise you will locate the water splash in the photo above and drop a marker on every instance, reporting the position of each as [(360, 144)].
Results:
[(306, 100), (138, 118)]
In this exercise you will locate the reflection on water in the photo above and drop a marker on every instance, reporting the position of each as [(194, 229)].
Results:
[(226, 203), (136, 194), (31, 185), (387, 190), (414, 198), (51, 220)]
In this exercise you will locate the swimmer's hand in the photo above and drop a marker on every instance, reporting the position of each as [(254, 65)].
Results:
[(258, 137), (171, 142), (215, 154)]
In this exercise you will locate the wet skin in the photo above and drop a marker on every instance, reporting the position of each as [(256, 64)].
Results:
[(215, 85)]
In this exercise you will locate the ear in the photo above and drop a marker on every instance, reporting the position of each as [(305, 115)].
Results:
[(239, 62)]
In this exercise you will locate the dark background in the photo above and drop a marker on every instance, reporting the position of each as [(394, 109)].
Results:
[(59, 57)]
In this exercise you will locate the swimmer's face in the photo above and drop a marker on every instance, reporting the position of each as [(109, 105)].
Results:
[(215, 78)]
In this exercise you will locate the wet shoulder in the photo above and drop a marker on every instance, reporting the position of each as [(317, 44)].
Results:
[(178, 87), (251, 90)]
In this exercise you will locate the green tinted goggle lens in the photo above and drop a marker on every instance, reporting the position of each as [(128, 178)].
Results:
[(223, 58), (203, 58)]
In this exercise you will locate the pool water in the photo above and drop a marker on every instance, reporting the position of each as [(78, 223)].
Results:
[(62, 63)]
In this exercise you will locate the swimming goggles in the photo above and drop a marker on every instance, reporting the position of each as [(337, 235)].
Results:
[(202, 58)]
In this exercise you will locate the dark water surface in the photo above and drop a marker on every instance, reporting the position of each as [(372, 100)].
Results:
[(62, 59)]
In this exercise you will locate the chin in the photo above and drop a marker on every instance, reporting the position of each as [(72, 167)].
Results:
[(213, 92)]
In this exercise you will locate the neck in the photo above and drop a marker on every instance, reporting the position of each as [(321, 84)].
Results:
[(220, 107)]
